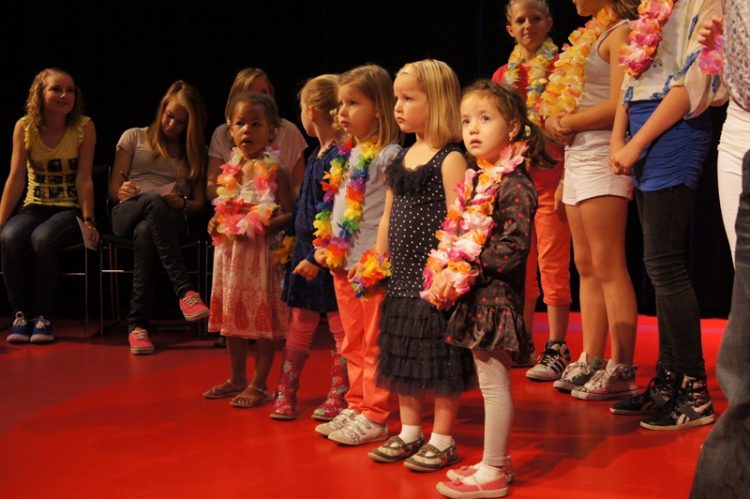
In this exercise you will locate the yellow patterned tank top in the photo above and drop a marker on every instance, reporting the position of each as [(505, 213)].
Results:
[(51, 171)]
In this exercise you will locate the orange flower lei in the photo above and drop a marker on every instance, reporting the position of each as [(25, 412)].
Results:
[(468, 225), (565, 86), (236, 213), (537, 78)]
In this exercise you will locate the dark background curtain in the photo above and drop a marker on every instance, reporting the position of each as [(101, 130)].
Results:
[(124, 55)]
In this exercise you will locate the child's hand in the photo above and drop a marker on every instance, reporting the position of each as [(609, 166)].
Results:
[(353, 271), (306, 269), (440, 290), (127, 190), (212, 225), (320, 257), (554, 127), (623, 160), (710, 31)]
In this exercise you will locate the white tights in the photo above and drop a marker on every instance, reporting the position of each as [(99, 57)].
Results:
[(493, 372)]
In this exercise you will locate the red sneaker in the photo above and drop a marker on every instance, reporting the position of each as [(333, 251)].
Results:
[(193, 307), (140, 344), (469, 488)]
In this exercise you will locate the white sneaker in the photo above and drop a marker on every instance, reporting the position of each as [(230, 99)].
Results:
[(578, 373), (360, 430), (613, 382), (551, 364), (342, 419)]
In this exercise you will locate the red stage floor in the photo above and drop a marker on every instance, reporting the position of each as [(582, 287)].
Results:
[(84, 418)]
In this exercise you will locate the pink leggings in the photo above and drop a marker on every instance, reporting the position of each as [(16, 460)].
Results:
[(303, 325)]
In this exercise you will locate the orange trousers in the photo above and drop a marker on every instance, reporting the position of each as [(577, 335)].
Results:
[(360, 348)]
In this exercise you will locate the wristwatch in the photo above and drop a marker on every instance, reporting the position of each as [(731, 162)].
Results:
[(90, 220)]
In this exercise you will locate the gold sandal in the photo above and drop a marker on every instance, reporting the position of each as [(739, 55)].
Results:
[(226, 389), (258, 397)]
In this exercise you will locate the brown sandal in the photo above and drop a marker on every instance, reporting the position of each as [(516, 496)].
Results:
[(251, 397), (226, 389)]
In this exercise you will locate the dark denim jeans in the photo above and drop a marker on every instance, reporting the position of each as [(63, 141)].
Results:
[(30, 240), (724, 465), (156, 230), (665, 220)]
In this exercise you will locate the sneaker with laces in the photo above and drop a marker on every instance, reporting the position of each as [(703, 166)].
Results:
[(615, 381), (140, 343), (578, 373), (469, 470), (470, 488), (551, 364), (690, 407), (42, 331), (342, 419), (659, 391), (20, 331), (193, 307), (360, 430)]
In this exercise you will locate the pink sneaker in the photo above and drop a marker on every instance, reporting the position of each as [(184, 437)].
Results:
[(193, 307), (468, 487), (140, 344), (469, 470)]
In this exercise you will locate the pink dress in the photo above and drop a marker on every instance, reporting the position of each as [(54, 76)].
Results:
[(246, 296)]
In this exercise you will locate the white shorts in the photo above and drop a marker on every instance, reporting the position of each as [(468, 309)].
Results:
[(587, 175)]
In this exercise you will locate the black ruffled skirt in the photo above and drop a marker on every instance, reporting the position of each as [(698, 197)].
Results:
[(414, 357)]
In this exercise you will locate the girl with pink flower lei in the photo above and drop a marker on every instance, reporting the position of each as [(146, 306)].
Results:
[(478, 269), (254, 201), (661, 137)]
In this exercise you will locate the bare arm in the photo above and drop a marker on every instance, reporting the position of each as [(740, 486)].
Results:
[(212, 174), (670, 110), (84, 182), (285, 199), (453, 170), (16, 177), (381, 240), (119, 186)]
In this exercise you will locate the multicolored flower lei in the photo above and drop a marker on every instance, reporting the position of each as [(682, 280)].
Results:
[(336, 247), (645, 35), (245, 214), (373, 269), (565, 87), (468, 225), (537, 78), (281, 249), (711, 60)]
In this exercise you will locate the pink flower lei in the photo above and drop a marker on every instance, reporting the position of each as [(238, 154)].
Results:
[(645, 35), (468, 225), (239, 213)]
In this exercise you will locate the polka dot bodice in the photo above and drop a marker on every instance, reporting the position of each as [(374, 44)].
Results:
[(418, 211)]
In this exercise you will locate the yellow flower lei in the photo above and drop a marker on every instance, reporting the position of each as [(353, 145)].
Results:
[(565, 86), (537, 79)]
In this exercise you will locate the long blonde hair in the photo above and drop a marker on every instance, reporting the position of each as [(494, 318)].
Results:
[(626, 9), (376, 84), (35, 100), (443, 90), (192, 141)]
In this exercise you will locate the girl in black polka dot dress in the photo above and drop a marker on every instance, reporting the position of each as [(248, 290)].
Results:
[(414, 358)]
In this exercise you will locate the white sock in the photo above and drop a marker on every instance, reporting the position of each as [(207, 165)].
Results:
[(486, 473), (410, 433), (494, 383), (442, 442)]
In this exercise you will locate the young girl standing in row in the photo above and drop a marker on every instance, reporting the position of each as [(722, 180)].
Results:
[(529, 66), (579, 111), (53, 155), (662, 135), (347, 226), (486, 241), (414, 358), (308, 289), (254, 201)]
